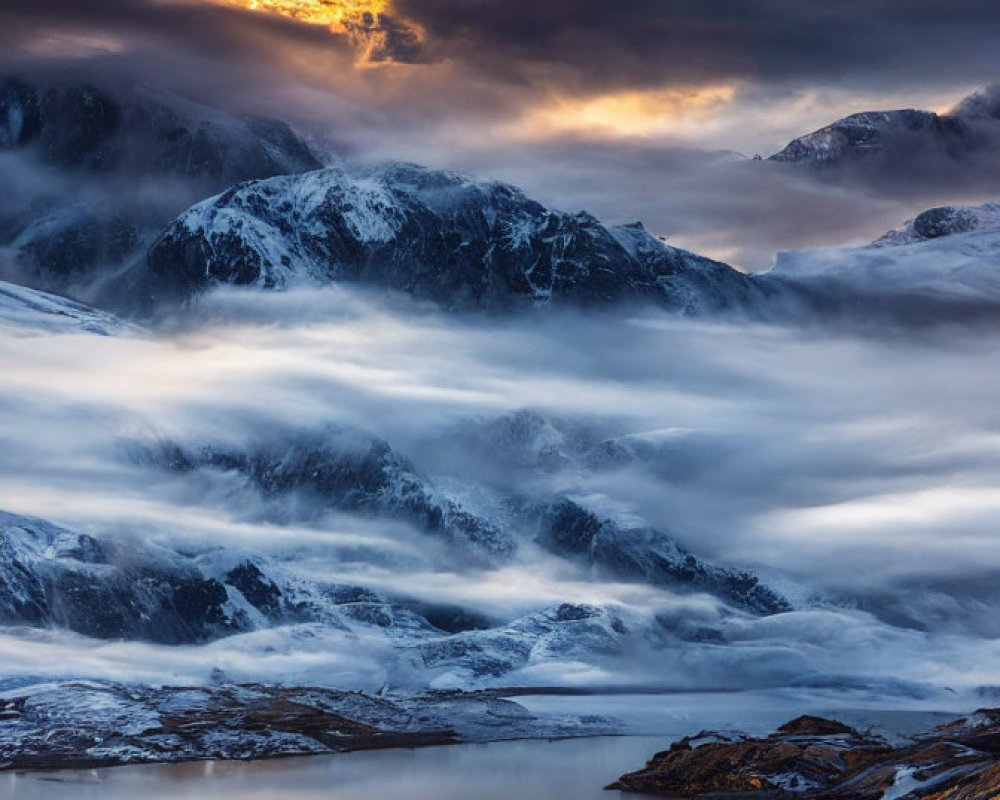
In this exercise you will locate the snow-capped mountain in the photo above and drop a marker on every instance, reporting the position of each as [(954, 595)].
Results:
[(877, 133), (903, 137), (433, 235), (946, 256)]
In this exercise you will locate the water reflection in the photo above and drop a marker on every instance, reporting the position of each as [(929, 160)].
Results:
[(526, 770)]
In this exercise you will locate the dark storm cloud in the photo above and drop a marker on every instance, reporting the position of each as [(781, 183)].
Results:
[(203, 49), (596, 45), (591, 45), (195, 25), (208, 29)]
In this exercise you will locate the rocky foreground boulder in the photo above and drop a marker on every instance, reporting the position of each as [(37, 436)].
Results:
[(816, 758)]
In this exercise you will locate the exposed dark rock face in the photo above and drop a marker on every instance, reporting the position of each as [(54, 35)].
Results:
[(943, 221), (433, 235), (144, 132), (344, 470), (936, 223), (53, 577), (816, 758), (648, 555), (114, 166), (64, 247), (808, 725), (260, 592), (448, 618), (879, 133)]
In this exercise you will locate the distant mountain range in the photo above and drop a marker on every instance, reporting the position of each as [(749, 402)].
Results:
[(135, 200), (904, 136), (243, 202), (430, 234)]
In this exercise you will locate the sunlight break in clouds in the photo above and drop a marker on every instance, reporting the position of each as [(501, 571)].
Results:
[(370, 25), (631, 113)]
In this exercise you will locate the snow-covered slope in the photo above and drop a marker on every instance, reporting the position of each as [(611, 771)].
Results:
[(27, 310), (433, 235), (337, 468), (943, 221), (115, 587), (946, 255), (90, 724)]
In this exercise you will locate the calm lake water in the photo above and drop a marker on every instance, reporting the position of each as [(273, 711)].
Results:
[(523, 770), (527, 770)]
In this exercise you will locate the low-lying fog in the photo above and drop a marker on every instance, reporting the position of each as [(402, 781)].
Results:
[(856, 473)]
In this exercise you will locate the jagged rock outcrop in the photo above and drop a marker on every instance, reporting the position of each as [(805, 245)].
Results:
[(872, 134), (942, 221), (433, 235), (822, 759), (50, 576), (648, 555), (340, 469)]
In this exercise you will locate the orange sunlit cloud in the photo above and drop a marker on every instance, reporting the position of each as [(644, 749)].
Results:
[(632, 113), (338, 15), (365, 22)]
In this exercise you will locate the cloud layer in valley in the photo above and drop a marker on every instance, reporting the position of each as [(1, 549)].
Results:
[(856, 473)]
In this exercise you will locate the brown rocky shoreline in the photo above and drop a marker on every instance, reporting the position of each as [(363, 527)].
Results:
[(821, 759)]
